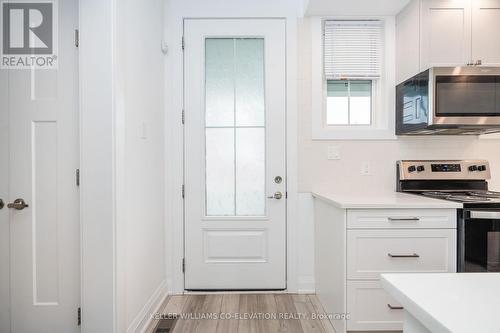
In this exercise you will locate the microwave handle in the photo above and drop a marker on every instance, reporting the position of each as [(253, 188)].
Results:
[(417, 108), (481, 214)]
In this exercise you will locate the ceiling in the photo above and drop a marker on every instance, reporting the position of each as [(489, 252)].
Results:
[(354, 7)]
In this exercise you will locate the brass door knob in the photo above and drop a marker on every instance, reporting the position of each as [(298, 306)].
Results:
[(18, 204)]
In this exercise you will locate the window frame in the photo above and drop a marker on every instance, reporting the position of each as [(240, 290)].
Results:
[(383, 92)]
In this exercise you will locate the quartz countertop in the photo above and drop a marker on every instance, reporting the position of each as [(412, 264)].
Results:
[(449, 302), (387, 200)]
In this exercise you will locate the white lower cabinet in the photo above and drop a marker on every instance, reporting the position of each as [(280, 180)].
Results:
[(371, 308), (355, 246), (373, 252)]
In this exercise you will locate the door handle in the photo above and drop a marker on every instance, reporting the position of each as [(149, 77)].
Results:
[(277, 196), (2, 204), (392, 307), (18, 204)]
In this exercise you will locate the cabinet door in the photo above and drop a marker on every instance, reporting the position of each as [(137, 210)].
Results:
[(445, 33), (485, 31), (371, 308), (407, 42)]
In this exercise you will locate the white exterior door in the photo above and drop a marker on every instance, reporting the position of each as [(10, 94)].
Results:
[(39, 153), (234, 87)]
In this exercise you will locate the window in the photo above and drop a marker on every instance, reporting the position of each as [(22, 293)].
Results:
[(352, 62), (349, 102), (353, 78)]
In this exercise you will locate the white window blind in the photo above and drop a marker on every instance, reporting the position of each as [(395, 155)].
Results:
[(352, 49)]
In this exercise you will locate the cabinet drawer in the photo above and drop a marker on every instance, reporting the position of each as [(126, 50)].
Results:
[(401, 218), (369, 306), (372, 252)]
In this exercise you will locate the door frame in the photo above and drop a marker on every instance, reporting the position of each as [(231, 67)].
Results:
[(174, 204)]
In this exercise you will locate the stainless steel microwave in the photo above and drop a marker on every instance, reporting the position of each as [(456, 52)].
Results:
[(449, 100)]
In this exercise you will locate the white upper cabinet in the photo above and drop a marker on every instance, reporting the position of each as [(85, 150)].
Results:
[(433, 33), (445, 33), (485, 32)]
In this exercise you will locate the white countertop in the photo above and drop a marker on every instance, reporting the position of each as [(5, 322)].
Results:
[(382, 200), (449, 302)]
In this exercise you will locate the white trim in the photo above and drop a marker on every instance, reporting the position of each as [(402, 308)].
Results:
[(174, 148), (292, 150), (383, 111), (97, 164), (144, 318)]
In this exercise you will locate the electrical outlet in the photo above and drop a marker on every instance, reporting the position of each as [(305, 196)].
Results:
[(366, 169), (333, 153)]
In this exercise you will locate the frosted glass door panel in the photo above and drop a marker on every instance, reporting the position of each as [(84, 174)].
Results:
[(219, 82), (250, 171), (220, 171), (235, 127), (249, 81)]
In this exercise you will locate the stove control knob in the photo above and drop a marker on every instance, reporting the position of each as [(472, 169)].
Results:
[(420, 168), (473, 168), (482, 168), (412, 168)]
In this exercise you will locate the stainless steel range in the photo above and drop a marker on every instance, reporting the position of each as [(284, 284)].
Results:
[(466, 182)]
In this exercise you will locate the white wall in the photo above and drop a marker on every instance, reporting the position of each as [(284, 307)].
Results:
[(141, 269), (122, 150), (315, 171)]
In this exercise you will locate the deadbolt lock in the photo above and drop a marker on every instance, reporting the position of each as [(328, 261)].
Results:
[(278, 179)]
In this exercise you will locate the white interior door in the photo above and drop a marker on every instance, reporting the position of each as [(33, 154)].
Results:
[(234, 85), (40, 243)]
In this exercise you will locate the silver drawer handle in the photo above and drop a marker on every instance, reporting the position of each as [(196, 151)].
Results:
[(408, 219), (414, 255), (395, 307)]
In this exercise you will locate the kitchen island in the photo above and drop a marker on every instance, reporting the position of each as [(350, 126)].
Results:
[(454, 302)]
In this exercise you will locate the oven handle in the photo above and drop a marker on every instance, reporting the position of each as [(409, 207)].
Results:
[(483, 214)]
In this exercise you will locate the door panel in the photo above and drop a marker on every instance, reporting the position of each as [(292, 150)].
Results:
[(445, 33), (485, 24), (43, 154), (234, 148)]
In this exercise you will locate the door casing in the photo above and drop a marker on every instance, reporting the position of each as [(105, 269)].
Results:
[(174, 202)]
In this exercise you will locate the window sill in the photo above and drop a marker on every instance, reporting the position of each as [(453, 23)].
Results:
[(343, 133)]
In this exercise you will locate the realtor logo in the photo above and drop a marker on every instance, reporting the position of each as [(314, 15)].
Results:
[(29, 34)]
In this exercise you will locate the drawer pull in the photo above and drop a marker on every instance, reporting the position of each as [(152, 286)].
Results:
[(394, 307), (414, 255), (403, 219)]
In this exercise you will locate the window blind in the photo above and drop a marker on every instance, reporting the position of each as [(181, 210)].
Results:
[(352, 49)]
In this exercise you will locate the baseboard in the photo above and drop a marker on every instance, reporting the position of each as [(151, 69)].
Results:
[(305, 285), (143, 319)]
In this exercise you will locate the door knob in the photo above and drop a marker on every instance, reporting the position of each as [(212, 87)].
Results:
[(18, 204), (2, 204), (277, 196)]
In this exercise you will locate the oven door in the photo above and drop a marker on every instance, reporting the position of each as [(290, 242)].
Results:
[(466, 96), (479, 241)]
